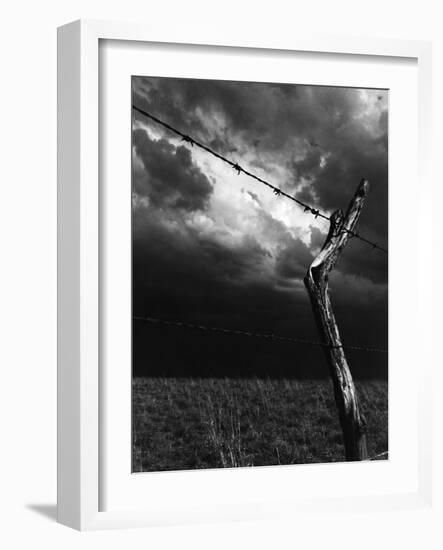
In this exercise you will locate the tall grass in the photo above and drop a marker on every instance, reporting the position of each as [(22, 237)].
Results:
[(187, 423)]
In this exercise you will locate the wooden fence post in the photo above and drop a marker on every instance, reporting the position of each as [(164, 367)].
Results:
[(316, 280)]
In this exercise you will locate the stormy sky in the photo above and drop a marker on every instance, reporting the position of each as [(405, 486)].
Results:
[(218, 248)]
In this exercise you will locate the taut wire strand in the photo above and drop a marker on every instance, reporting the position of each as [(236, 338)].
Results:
[(265, 336)]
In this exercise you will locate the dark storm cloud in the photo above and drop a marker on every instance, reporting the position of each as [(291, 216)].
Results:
[(270, 116), (181, 274), (293, 260), (169, 177), (320, 139), (350, 158), (264, 114), (362, 261), (323, 124)]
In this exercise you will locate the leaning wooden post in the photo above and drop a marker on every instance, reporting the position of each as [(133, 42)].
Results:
[(351, 418)]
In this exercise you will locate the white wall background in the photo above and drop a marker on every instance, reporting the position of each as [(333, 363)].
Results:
[(28, 269)]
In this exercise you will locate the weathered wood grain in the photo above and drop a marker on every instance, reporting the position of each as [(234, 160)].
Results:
[(316, 281)]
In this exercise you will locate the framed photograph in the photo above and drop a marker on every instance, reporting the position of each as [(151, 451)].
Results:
[(235, 218)]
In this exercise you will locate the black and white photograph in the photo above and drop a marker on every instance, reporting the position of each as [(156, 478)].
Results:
[(259, 274), (221, 275)]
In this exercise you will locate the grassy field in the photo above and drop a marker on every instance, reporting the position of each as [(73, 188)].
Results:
[(187, 423)]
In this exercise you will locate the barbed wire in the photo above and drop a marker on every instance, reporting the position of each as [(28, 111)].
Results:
[(276, 190), (265, 336)]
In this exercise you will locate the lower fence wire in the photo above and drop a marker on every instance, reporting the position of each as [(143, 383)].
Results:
[(270, 337)]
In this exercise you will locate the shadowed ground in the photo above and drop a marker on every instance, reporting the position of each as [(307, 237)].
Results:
[(195, 422)]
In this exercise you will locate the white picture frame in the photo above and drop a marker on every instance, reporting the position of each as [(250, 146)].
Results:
[(79, 253)]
